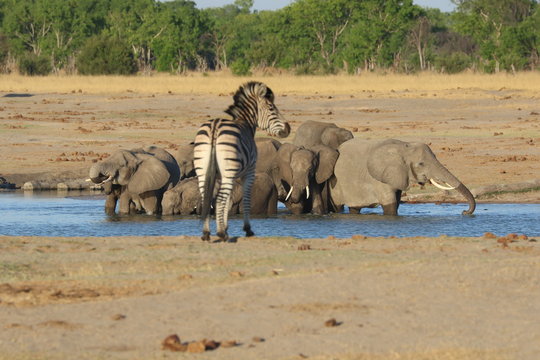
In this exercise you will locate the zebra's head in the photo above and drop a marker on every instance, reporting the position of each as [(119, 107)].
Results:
[(254, 102)]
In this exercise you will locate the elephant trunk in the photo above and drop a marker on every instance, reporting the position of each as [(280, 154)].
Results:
[(95, 174), (296, 191), (470, 199), (442, 174)]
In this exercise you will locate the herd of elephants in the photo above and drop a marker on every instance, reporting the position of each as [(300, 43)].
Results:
[(322, 170)]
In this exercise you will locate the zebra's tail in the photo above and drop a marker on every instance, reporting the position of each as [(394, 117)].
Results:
[(209, 183)]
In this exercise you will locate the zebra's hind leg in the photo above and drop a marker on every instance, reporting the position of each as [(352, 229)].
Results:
[(248, 182), (206, 229), (222, 210)]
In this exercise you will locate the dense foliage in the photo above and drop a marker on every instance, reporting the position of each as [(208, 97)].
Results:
[(307, 37)]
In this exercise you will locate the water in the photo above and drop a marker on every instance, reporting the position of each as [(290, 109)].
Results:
[(49, 214)]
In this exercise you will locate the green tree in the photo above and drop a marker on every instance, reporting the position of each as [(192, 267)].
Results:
[(493, 25), (324, 22), (104, 55), (379, 33)]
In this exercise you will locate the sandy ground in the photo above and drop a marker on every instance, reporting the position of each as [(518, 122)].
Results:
[(392, 298), (413, 298)]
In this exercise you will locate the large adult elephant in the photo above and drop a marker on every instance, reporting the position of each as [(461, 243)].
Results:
[(138, 178), (370, 173), (314, 133), (304, 174)]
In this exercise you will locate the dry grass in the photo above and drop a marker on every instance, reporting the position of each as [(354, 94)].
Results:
[(223, 83)]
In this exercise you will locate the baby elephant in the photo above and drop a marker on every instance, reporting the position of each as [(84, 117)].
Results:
[(183, 199)]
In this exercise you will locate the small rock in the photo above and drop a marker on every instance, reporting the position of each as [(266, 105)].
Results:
[(117, 317), (257, 339), (229, 344), (196, 347), (172, 343), (331, 323), (210, 345), (490, 235)]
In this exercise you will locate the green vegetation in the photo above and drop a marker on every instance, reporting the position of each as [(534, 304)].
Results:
[(105, 55), (306, 37)]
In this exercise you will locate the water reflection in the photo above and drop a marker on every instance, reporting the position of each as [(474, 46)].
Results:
[(53, 214)]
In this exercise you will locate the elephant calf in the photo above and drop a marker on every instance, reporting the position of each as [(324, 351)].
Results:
[(185, 198), (370, 173)]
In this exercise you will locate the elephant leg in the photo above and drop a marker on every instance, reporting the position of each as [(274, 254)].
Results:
[(319, 205), (392, 208), (149, 203), (110, 204), (125, 203)]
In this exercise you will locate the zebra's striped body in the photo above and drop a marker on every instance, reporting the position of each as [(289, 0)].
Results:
[(225, 150)]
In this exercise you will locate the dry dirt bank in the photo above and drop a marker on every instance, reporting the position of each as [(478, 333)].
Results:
[(410, 298), (484, 137)]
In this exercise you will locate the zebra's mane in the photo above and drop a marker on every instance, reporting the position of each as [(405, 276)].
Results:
[(245, 97)]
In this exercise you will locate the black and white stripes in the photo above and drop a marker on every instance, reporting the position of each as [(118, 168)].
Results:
[(225, 150)]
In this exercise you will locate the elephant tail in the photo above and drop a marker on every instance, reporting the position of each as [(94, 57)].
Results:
[(209, 184)]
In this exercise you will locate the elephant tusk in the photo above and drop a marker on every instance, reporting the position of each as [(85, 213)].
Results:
[(110, 178), (442, 187), (88, 180), (307, 192), (289, 194)]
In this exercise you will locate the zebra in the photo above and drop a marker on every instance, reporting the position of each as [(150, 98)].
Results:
[(225, 150)]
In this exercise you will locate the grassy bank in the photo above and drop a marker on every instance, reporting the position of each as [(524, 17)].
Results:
[(223, 83)]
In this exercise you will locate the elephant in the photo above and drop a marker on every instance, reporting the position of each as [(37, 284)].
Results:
[(371, 172), (183, 199), (138, 178), (264, 196), (313, 133), (304, 174), (267, 151), (184, 158)]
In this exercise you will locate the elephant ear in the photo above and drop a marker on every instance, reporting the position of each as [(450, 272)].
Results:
[(386, 164), (150, 175), (327, 160), (284, 161), (329, 137), (128, 164)]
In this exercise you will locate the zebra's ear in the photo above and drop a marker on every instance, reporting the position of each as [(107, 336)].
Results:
[(269, 94)]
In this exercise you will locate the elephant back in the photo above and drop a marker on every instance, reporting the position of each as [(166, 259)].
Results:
[(168, 160), (313, 133)]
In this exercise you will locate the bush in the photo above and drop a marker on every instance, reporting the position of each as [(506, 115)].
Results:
[(4, 50), (240, 67), (106, 56), (453, 63), (32, 65)]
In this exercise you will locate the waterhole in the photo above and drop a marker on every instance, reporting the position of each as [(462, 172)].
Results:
[(52, 214)]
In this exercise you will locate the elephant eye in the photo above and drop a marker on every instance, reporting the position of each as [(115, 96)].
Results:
[(420, 164)]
